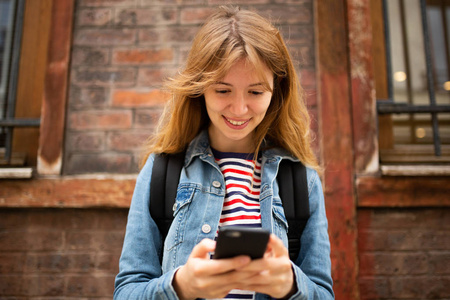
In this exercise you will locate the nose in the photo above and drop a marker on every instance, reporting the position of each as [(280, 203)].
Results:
[(238, 105)]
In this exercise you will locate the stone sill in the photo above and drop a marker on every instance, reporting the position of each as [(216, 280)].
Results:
[(412, 189), (86, 191), (115, 191), (415, 170)]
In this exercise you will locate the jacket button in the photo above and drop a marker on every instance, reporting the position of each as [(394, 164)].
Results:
[(216, 184), (174, 207), (206, 228)]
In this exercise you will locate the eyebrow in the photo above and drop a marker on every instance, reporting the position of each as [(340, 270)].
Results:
[(228, 84)]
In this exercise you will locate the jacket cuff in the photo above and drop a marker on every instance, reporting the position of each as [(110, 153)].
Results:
[(166, 288), (302, 288)]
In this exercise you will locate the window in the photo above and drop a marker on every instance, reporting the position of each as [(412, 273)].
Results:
[(412, 76), (19, 113), (7, 11)]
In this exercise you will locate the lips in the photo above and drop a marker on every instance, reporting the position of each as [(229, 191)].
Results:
[(235, 122)]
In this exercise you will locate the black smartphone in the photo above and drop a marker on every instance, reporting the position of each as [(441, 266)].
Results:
[(233, 241)]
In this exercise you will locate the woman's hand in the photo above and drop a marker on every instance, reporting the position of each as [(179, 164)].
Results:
[(273, 273), (202, 277)]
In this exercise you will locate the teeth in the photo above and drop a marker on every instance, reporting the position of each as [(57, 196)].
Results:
[(236, 123)]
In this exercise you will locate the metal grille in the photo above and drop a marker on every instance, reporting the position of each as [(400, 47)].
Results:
[(11, 14), (417, 62)]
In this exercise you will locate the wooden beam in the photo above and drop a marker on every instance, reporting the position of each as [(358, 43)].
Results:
[(403, 191), (30, 85), (68, 192), (336, 143), (50, 154), (363, 102)]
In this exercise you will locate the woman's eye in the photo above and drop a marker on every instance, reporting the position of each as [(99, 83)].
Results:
[(256, 93), (222, 91)]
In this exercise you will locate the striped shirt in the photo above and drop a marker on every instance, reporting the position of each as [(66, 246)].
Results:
[(241, 205)]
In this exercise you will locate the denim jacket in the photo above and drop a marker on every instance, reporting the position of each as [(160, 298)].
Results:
[(197, 211)]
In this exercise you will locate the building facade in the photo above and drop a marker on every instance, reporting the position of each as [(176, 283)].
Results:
[(91, 71)]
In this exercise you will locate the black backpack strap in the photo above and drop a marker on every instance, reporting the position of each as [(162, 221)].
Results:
[(163, 188), (293, 190)]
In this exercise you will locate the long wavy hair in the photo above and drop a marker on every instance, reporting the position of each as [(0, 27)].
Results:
[(229, 35)]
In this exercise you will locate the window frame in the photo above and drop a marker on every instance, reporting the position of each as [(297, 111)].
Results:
[(386, 105), (374, 187), (54, 89)]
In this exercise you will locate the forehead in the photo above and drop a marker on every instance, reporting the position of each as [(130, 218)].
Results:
[(244, 72)]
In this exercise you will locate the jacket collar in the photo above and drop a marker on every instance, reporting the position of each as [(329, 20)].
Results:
[(200, 146)]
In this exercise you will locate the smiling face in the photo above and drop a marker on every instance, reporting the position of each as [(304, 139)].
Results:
[(236, 105)]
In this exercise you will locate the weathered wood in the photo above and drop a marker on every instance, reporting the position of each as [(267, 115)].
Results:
[(363, 102), (403, 191), (55, 90), (30, 85), (378, 52), (75, 192), (336, 138)]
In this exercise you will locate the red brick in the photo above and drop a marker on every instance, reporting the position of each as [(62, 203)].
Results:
[(100, 120), (30, 241), (90, 56), (87, 97), (46, 285), (440, 262), (107, 2), (373, 288), (87, 141), (143, 56), (104, 37), (127, 140), (12, 285), (143, 16), (90, 286), (111, 220), (195, 15), (133, 98), (105, 241), (9, 219), (108, 262), (298, 35), (147, 118), (388, 219), (409, 287), (172, 35), (308, 78), (11, 262), (148, 77), (311, 99), (34, 285), (59, 263), (288, 14), (393, 263), (100, 163), (306, 56), (104, 76), (94, 17), (45, 220)]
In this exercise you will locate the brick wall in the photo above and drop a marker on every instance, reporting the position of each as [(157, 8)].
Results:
[(121, 52), (63, 253), (404, 253)]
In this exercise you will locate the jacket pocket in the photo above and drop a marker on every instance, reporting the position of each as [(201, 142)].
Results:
[(175, 236), (279, 220)]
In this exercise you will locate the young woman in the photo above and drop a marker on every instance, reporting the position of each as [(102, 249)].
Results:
[(238, 110)]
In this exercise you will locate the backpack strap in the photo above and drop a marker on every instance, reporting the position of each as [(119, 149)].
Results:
[(293, 190), (163, 188)]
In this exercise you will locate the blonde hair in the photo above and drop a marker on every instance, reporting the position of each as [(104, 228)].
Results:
[(228, 35)]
